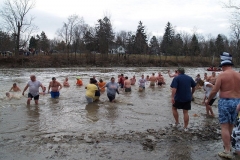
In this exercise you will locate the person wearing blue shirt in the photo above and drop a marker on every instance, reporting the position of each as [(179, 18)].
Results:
[(183, 87)]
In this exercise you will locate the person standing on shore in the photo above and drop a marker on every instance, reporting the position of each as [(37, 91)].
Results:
[(207, 86), (228, 85), (183, 87), (33, 89), (55, 88)]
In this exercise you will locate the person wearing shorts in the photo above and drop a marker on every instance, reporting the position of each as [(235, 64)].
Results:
[(227, 83), (55, 88), (127, 84), (54, 94), (152, 80), (33, 86), (183, 87), (207, 86)]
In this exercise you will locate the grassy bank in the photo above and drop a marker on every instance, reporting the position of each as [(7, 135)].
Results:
[(101, 60)]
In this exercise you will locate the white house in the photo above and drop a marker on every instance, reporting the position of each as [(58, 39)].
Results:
[(117, 50)]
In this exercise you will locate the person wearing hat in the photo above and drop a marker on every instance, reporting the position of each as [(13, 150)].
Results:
[(228, 85), (55, 88), (183, 87), (79, 82)]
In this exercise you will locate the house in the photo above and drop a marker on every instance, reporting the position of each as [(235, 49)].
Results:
[(117, 50)]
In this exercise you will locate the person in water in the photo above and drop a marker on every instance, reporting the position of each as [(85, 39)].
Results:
[(55, 87), (112, 89), (133, 80), (152, 80), (101, 85), (127, 84), (33, 86), (65, 83), (79, 82), (15, 88)]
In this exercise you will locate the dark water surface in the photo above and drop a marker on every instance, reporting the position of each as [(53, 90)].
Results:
[(136, 127)]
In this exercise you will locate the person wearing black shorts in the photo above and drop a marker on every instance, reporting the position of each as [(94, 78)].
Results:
[(183, 87)]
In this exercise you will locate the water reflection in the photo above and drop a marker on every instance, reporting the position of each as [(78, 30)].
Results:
[(92, 111), (33, 112), (112, 112)]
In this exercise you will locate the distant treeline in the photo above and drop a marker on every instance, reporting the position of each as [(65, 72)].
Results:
[(57, 60)]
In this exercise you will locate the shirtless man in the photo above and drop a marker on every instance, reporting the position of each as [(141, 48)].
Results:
[(160, 79), (55, 88), (65, 83), (205, 77), (212, 78), (133, 80), (127, 84), (153, 80), (15, 88), (227, 83)]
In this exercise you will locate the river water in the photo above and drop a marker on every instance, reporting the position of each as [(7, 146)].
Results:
[(136, 127)]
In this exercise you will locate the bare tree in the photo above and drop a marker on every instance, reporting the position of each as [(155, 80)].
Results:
[(234, 7), (16, 21), (66, 33)]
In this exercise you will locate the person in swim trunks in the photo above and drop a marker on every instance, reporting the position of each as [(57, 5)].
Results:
[(55, 88), (127, 84), (152, 80), (227, 83), (160, 79), (33, 86)]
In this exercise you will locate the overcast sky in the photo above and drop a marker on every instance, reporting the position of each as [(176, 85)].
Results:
[(206, 16)]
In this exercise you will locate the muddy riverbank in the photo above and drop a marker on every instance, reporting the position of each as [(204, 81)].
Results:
[(137, 127)]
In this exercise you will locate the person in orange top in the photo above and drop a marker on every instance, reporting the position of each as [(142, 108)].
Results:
[(79, 82), (101, 84)]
